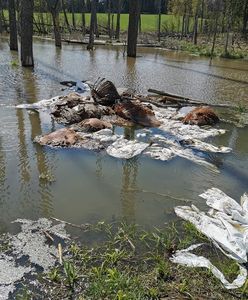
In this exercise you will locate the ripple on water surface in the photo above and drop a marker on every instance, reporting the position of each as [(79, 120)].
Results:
[(89, 186)]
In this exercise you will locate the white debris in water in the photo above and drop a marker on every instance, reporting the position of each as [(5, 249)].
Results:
[(202, 146), (43, 104), (81, 87), (178, 139), (226, 225), (160, 153), (175, 138), (123, 148)]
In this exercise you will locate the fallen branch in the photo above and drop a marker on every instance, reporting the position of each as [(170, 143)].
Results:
[(186, 101), (48, 235), (156, 103)]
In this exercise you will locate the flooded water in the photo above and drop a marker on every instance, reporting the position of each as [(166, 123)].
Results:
[(89, 186)]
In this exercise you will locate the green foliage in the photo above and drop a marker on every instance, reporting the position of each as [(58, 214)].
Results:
[(70, 273), (111, 283), (54, 275)]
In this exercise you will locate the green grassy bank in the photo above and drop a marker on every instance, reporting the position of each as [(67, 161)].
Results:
[(124, 262)]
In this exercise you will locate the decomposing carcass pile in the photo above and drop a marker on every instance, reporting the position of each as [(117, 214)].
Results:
[(166, 125)]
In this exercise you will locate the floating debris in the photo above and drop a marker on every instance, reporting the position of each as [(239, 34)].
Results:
[(171, 138)]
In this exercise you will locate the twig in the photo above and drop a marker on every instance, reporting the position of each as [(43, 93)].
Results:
[(184, 100), (159, 194), (82, 226), (48, 235)]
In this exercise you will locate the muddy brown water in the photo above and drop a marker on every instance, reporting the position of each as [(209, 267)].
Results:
[(90, 186)]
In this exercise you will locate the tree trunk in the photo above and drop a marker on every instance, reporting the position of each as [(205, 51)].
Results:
[(134, 14), (245, 18), (56, 28), (118, 20), (109, 19), (159, 21), (83, 17), (183, 26), (92, 25), (95, 19), (65, 16), (73, 13), (112, 25), (26, 15), (214, 38), (13, 42), (195, 34), (227, 34), (41, 5), (1, 19), (202, 15)]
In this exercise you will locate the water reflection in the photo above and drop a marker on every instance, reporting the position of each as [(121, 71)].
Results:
[(99, 167), (89, 186), (130, 170), (24, 163), (130, 76)]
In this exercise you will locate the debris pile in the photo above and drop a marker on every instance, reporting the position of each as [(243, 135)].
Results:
[(171, 132)]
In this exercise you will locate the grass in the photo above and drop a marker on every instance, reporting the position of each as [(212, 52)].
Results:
[(204, 48), (149, 22), (130, 263)]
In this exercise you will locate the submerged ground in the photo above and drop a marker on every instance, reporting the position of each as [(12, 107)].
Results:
[(86, 186)]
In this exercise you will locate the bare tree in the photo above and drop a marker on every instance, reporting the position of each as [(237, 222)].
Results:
[(133, 27), (159, 19), (118, 19), (195, 33), (92, 25), (109, 18), (65, 16), (83, 17), (53, 7), (13, 44), (1, 19), (245, 18), (73, 13), (26, 17)]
